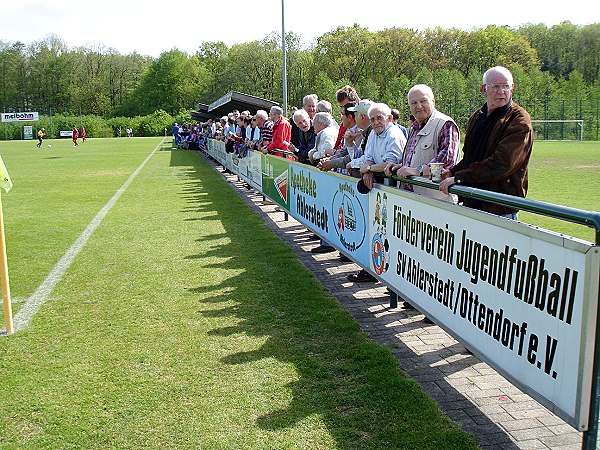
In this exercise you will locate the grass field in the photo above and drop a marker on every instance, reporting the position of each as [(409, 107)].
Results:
[(183, 323)]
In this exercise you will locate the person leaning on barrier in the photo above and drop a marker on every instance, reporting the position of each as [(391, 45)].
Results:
[(384, 146), (326, 129), (433, 138), (343, 96), (356, 140), (306, 136), (282, 131), (341, 158), (266, 129), (497, 147), (309, 104)]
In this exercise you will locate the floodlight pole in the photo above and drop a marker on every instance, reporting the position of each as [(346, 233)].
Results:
[(285, 100)]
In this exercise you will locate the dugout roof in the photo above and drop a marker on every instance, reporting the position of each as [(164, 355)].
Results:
[(201, 114), (237, 100)]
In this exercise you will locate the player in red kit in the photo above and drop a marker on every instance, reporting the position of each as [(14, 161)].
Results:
[(83, 135), (75, 137)]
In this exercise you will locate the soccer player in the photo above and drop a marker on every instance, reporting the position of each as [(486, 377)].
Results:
[(75, 137), (40, 137), (83, 135)]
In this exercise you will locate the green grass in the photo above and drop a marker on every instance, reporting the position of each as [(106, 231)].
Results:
[(183, 323), (565, 173)]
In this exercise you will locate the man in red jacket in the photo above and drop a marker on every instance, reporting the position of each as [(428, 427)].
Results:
[(282, 131)]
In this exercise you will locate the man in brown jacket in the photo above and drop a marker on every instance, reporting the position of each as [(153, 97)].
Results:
[(497, 147)]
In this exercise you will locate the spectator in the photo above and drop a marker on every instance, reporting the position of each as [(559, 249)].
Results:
[(324, 106), (306, 138), (344, 95), (326, 130), (433, 138), (266, 129), (385, 144), (174, 132), (497, 147), (341, 158), (309, 104), (396, 116), (282, 131)]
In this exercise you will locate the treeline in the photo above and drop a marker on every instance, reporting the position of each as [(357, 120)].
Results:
[(551, 64)]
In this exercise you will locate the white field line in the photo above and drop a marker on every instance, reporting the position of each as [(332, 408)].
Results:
[(40, 296)]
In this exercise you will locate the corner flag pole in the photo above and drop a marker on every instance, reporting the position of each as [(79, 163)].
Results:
[(7, 307), (6, 184)]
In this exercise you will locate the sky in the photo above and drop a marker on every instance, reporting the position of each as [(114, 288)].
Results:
[(150, 27)]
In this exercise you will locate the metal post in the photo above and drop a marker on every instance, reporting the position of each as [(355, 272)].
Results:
[(285, 100), (590, 437), (393, 299)]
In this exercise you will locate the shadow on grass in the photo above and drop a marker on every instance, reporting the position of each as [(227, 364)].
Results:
[(353, 384)]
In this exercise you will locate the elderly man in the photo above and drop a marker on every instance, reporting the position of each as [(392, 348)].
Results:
[(385, 144), (306, 136), (281, 132), (326, 129), (309, 104), (498, 144), (266, 129), (433, 138)]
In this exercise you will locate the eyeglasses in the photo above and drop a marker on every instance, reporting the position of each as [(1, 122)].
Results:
[(499, 87)]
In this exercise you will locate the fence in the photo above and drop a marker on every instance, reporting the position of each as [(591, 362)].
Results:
[(523, 299)]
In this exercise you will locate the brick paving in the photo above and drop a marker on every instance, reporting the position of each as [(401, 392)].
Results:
[(470, 392)]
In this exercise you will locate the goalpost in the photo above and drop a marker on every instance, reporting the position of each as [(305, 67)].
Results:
[(542, 128)]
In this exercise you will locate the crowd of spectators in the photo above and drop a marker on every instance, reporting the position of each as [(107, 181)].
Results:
[(369, 142)]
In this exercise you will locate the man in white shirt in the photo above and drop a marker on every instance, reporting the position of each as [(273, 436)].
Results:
[(385, 144)]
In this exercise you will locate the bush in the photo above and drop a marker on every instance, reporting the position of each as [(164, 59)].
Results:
[(151, 125)]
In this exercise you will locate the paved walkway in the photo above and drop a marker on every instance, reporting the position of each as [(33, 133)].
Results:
[(474, 395)]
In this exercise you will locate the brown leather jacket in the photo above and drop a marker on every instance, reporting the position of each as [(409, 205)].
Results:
[(504, 166)]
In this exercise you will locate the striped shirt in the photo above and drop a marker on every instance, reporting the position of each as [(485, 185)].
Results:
[(266, 132)]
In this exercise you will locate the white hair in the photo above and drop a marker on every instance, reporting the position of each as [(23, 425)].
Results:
[(324, 106), (423, 88), (277, 110), (498, 69), (324, 118), (300, 114), (381, 107), (309, 97), (262, 113)]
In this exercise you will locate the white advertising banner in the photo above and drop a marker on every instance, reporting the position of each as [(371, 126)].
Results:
[(521, 298), (27, 132), (20, 116)]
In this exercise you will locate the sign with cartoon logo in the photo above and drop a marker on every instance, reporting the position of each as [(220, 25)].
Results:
[(379, 255), (332, 207), (348, 210)]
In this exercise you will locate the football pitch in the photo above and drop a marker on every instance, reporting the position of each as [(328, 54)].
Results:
[(184, 322)]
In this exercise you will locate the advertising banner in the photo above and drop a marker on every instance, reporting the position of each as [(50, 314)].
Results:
[(332, 207), (27, 132), (251, 171), (20, 116), (523, 299), (275, 179)]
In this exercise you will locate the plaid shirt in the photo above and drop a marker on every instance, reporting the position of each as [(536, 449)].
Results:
[(448, 143)]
